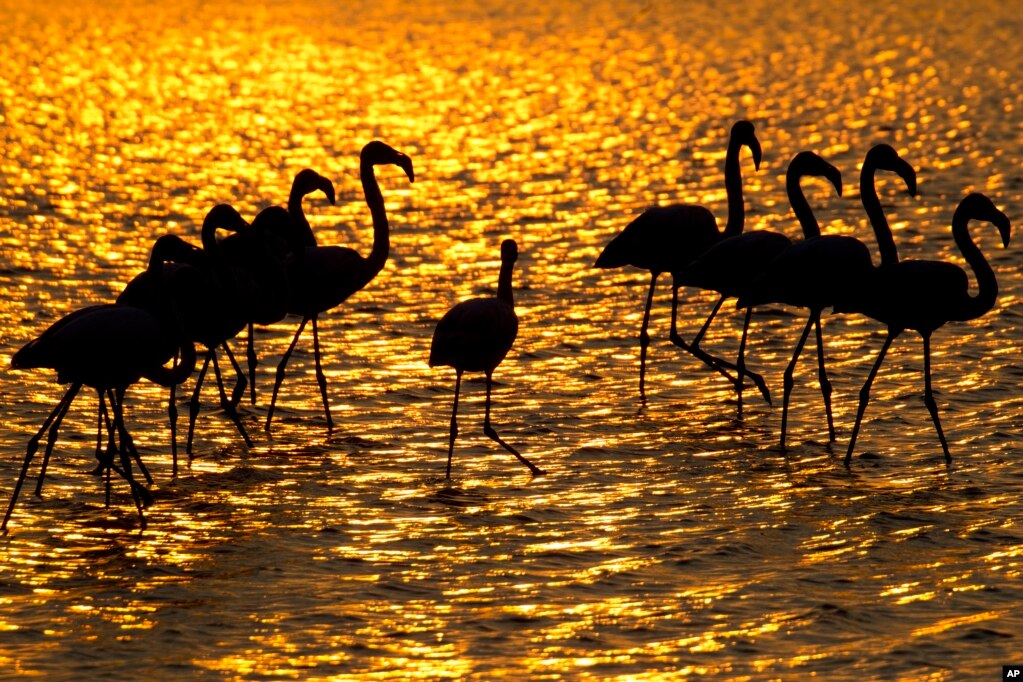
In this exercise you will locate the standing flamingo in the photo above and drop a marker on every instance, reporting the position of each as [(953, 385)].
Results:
[(923, 295), (823, 270), (669, 238), (108, 348), (474, 336), (210, 313), (730, 266), (323, 277), (306, 182)]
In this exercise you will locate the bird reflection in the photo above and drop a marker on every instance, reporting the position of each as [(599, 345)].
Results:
[(474, 336), (923, 295), (323, 277)]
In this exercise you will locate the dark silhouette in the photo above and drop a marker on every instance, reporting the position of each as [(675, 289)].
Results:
[(306, 182), (474, 336), (733, 264), (823, 270), (669, 238), (108, 348), (923, 295), (211, 313), (323, 277)]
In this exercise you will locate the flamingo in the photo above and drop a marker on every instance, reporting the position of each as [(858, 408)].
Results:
[(210, 311), (474, 336), (822, 270), (108, 347), (669, 238), (732, 264), (923, 295), (306, 182), (323, 277)]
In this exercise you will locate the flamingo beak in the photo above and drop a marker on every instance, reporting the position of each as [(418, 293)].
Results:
[(327, 187), (835, 176), (1001, 221), (907, 173), (405, 163), (754, 146)]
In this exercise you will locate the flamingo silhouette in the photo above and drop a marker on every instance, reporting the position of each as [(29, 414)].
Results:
[(210, 311), (731, 265), (305, 183), (669, 238), (323, 277), (474, 336), (823, 270), (923, 295), (108, 347)]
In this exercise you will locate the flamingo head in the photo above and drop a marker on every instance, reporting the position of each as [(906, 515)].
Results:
[(308, 181), (509, 251), (224, 216), (884, 157), (171, 248), (377, 153), (977, 206), (744, 134), (810, 163)]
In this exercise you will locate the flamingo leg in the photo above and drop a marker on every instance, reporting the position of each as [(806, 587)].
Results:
[(321, 379), (101, 417), (250, 355), (33, 446), (740, 362), (676, 338), (644, 336), (453, 433), (932, 406), (172, 418), (228, 405), (822, 375), (51, 441), (279, 378), (489, 430), (242, 382), (129, 444), (193, 404), (789, 381), (706, 325), (139, 494), (865, 392)]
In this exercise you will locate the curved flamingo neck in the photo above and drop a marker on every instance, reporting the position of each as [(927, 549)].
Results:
[(504, 282), (733, 186), (381, 230), (878, 221), (987, 285), (181, 370), (302, 229), (800, 206)]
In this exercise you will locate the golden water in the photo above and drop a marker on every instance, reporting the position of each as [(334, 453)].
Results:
[(669, 540)]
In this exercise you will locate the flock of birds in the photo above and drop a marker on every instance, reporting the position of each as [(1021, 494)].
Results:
[(818, 272), (269, 268)]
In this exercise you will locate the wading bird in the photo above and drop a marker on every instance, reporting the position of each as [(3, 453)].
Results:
[(109, 347), (323, 277), (669, 238), (730, 266), (923, 295), (474, 336), (823, 270), (305, 183)]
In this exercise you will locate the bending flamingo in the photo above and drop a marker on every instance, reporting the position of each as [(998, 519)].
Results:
[(823, 270), (474, 336), (923, 295), (669, 238), (108, 348), (730, 266), (323, 277)]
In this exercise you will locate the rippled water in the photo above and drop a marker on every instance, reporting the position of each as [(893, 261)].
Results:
[(668, 540)]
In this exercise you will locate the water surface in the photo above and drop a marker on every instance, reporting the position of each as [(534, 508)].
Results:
[(669, 539)]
